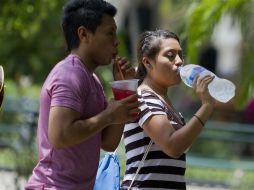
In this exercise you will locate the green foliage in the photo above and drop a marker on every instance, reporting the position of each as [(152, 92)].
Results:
[(12, 89), (22, 160), (215, 147), (31, 40), (201, 19), (7, 158), (25, 160), (30, 37), (247, 76), (105, 75)]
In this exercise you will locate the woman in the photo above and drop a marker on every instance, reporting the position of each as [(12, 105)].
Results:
[(159, 57)]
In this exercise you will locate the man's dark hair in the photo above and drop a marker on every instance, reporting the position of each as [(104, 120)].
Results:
[(87, 13)]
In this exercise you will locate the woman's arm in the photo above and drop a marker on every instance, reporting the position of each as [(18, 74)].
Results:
[(175, 142)]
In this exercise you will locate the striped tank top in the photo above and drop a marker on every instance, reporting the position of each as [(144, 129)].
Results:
[(160, 171)]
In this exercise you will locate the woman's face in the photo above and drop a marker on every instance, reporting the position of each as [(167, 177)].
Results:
[(166, 63)]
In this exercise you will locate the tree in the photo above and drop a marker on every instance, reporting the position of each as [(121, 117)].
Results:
[(30, 39), (202, 17)]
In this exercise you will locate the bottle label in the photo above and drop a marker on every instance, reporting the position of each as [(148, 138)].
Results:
[(194, 73)]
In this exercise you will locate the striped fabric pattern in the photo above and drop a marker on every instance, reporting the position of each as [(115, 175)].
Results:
[(160, 171)]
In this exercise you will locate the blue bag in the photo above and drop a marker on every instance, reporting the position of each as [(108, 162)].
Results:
[(108, 173)]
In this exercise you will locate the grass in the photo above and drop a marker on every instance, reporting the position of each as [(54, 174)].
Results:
[(7, 159), (236, 179)]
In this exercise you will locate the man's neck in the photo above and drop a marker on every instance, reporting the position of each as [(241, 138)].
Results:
[(84, 59)]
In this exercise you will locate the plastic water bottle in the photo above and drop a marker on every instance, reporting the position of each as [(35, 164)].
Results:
[(220, 89)]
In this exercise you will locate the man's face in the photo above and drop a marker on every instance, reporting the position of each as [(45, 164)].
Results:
[(104, 42)]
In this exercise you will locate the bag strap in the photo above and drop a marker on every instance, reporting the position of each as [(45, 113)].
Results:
[(141, 163), (177, 115)]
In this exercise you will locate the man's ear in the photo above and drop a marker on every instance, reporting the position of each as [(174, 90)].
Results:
[(83, 34), (147, 63)]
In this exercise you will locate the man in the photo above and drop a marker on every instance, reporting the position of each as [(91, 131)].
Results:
[(75, 120)]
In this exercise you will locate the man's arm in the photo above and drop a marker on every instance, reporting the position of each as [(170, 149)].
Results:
[(111, 137), (66, 128)]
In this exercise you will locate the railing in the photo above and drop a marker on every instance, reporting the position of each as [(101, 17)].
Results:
[(18, 121), (231, 137)]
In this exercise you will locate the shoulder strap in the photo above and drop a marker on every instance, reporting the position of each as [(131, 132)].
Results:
[(141, 163), (178, 116)]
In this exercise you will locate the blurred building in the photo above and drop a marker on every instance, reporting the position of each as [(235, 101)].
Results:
[(134, 17), (227, 39)]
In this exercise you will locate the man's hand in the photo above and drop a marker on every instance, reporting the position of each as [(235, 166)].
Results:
[(123, 110), (122, 69)]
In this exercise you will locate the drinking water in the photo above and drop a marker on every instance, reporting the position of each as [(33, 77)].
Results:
[(221, 89)]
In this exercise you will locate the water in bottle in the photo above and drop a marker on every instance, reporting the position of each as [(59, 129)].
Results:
[(221, 89)]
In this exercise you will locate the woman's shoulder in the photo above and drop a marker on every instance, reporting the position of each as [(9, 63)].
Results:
[(149, 97), (147, 93)]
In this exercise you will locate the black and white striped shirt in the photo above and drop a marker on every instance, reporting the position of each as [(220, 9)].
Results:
[(159, 170)]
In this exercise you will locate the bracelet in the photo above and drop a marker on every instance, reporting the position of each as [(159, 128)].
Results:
[(202, 123)]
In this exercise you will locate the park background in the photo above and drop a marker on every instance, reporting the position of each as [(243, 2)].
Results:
[(217, 34)]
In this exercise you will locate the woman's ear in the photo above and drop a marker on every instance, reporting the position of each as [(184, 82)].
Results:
[(147, 63)]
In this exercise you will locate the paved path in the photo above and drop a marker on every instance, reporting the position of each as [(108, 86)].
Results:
[(205, 188), (7, 182)]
